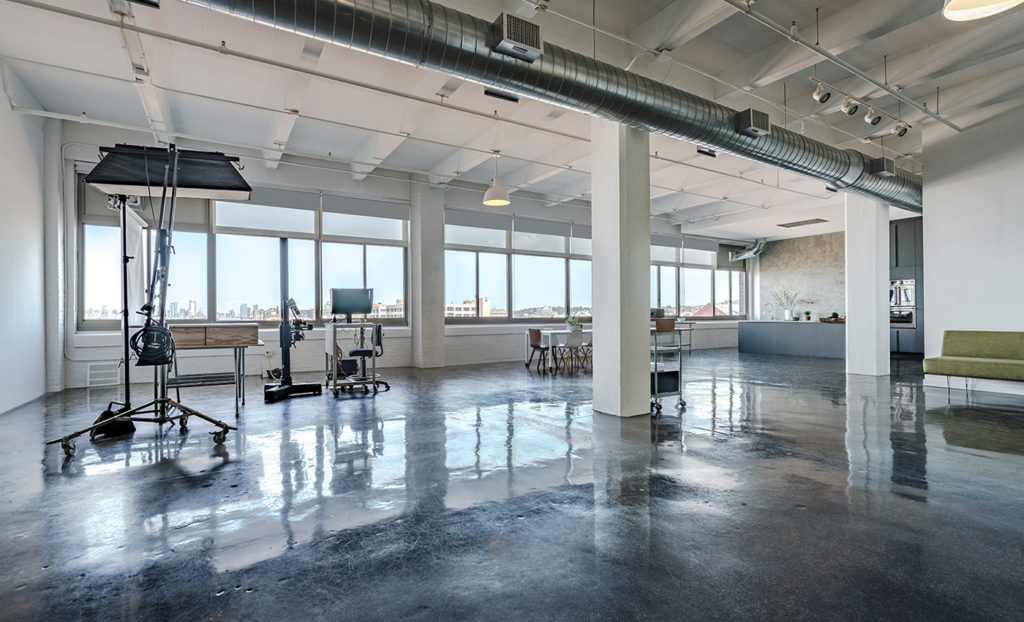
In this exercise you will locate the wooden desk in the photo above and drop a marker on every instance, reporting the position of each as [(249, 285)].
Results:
[(238, 337)]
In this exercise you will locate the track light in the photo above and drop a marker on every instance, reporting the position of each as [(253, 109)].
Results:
[(872, 117), (900, 129), (496, 195), (967, 10), (850, 106), (821, 94)]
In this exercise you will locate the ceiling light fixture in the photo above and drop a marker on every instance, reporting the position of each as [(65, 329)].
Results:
[(872, 117), (967, 10), (822, 94), (900, 129), (496, 195), (850, 106)]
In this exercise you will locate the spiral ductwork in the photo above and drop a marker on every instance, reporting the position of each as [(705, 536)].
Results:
[(431, 35)]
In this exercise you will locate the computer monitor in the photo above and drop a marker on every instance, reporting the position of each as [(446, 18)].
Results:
[(346, 301)]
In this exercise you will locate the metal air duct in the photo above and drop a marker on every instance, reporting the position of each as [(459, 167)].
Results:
[(748, 253), (428, 34)]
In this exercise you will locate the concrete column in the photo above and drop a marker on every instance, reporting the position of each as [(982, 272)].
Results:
[(426, 283), (867, 286), (53, 255), (621, 220)]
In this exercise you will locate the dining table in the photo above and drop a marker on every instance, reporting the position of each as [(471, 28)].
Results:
[(550, 337)]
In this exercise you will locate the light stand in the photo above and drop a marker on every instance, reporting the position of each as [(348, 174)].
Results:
[(153, 343), (290, 332)]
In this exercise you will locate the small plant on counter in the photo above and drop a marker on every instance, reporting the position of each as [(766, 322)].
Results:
[(787, 300), (807, 315), (835, 315), (573, 323)]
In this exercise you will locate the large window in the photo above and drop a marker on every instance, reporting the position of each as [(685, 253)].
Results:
[(381, 268), (538, 287), (581, 300), (101, 272), (229, 269), (695, 292), (249, 277), (187, 279), (476, 285)]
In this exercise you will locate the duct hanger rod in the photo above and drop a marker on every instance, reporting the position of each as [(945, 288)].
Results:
[(744, 7)]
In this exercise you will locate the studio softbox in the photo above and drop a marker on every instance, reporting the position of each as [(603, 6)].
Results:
[(139, 171)]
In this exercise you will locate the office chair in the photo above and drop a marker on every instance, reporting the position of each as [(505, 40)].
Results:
[(376, 349)]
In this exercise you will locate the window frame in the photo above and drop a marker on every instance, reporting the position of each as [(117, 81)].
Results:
[(211, 230)]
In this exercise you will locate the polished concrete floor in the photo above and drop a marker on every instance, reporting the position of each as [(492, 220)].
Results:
[(786, 490)]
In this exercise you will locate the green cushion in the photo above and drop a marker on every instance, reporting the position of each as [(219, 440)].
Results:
[(983, 344), (974, 367)]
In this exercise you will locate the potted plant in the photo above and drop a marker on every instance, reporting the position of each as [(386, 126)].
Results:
[(787, 300), (807, 315), (573, 323)]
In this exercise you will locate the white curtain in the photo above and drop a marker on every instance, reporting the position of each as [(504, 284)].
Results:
[(135, 234)]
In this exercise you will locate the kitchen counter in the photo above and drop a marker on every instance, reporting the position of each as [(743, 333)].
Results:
[(790, 338)]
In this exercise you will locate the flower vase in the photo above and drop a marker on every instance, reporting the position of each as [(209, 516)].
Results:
[(787, 314)]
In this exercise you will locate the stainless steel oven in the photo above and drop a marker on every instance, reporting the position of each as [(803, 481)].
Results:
[(903, 293), (903, 303), (902, 317)]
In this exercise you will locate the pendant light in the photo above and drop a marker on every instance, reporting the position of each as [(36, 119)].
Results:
[(967, 10), (496, 195)]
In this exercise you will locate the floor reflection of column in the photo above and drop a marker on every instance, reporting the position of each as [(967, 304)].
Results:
[(622, 463), (909, 448), (868, 422), (426, 472)]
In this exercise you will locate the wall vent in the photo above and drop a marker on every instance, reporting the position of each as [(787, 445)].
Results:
[(753, 123), (803, 223), (514, 36), (104, 374)]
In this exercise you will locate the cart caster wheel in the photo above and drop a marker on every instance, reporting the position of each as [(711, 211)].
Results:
[(183, 424), (336, 393), (657, 407), (220, 436), (366, 389), (69, 447)]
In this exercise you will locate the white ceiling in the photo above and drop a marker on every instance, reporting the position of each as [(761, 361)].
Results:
[(293, 97)]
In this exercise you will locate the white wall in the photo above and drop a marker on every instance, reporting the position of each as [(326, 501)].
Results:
[(22, 337), (974, 233)]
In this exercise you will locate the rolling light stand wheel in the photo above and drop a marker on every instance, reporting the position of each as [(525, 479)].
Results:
[(183, 425), (220, 436), (68, 445)]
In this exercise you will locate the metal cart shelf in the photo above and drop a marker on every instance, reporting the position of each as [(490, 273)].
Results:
[(667, 382)]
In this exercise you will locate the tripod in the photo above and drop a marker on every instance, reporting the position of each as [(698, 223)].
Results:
[(153, 344)]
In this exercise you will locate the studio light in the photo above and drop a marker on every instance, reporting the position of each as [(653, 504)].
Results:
[(872, 117), (822, 94), (496, 195), (967, 10), (850, 106), (900, 129)]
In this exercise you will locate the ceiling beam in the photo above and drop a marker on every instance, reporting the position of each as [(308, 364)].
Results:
[(154, 104), (679, 23), (846, 30), (295, 93), (456, 164)]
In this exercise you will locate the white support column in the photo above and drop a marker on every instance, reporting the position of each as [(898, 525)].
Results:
[(621, 221), (426, 255), (53, 255), (867, 286)]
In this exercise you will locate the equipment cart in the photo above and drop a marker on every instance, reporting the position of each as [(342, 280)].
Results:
[(666, 340), (365, 343)]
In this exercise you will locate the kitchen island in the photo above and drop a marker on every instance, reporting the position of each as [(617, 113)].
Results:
[(792, 338)]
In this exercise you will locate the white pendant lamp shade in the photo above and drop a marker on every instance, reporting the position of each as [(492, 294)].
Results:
[(496, 195), (967, 10)]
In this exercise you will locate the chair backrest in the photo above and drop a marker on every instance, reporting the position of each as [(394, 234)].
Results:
[(377, 339), (664, 325), (535, 337), (575, 339), (983, 344)]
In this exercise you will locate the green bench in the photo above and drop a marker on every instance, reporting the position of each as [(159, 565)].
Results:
[(992, 355)]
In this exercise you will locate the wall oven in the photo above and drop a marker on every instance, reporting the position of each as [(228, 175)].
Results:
[(903, 304)]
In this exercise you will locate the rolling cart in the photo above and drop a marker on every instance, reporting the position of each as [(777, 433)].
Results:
[(666, 382), (338, 379)]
